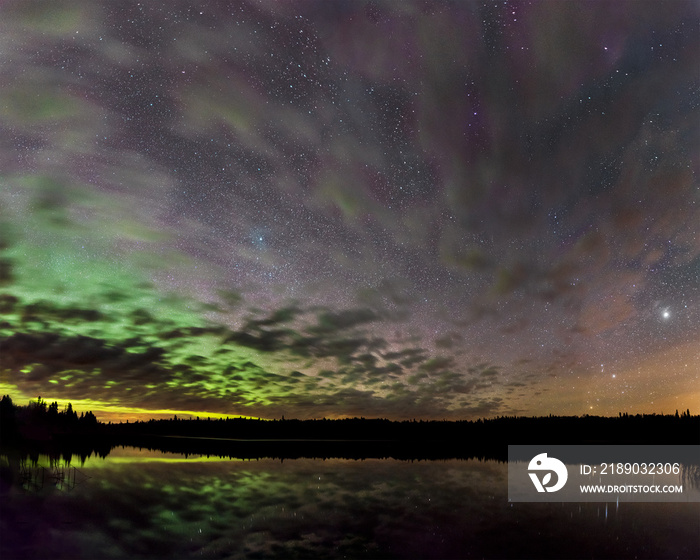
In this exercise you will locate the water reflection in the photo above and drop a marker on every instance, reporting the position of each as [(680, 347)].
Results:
[(34, 477), (149, 504)]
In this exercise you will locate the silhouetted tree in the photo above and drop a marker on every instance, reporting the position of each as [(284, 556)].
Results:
[(52, 412), (70, 414), (8, 418)]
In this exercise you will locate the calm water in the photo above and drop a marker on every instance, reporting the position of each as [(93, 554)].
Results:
[(149, 504)]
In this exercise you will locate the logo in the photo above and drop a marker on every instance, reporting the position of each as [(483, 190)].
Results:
[(543, 463)]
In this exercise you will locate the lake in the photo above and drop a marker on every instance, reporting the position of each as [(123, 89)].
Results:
[(149, 504)]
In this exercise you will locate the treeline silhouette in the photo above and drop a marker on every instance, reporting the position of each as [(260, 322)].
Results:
[(40, 420), (625, 428), (43, 424), (41, 428)]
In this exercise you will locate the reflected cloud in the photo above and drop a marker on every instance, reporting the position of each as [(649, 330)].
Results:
[(138, 502)]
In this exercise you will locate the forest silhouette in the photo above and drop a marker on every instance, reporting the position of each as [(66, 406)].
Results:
[(42, 427)]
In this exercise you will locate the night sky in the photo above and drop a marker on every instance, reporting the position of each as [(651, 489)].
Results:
[(348, 208)]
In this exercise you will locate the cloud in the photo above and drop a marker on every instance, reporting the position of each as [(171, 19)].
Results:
[(8, 303), (51, 312), (330, 322), (6, 275), (159, 367), (277, 317), (436, 364), (407, 357), (490, 372)]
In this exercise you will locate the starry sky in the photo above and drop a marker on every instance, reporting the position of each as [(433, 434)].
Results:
[(350, 208)]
